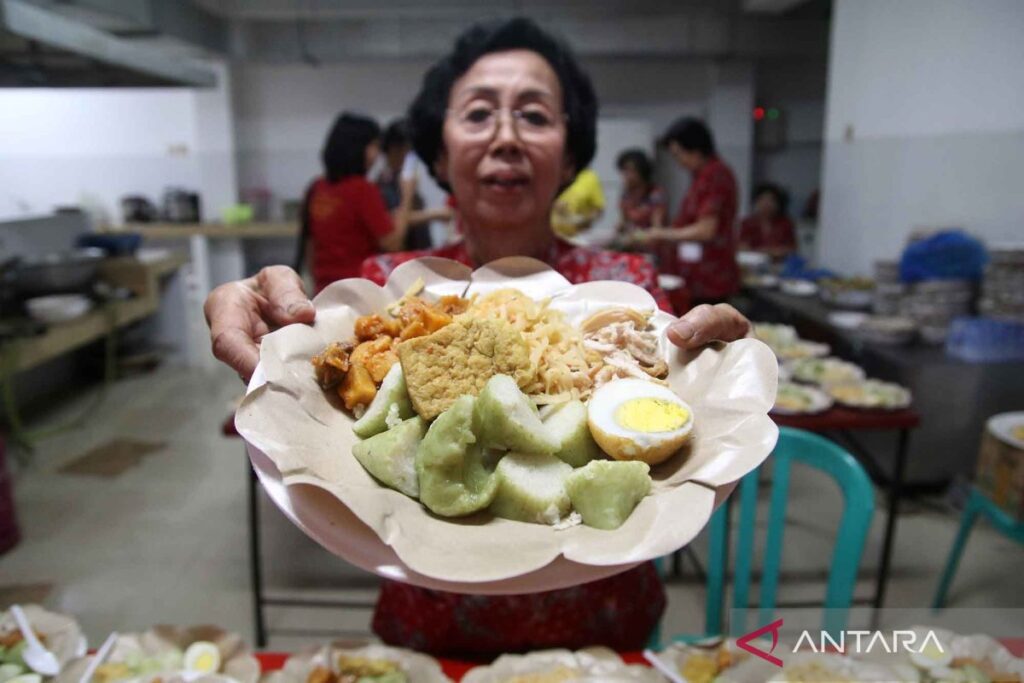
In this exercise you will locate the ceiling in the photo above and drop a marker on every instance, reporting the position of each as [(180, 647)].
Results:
[(291, 10)]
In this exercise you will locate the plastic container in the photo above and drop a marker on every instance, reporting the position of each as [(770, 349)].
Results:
[(986, 340)]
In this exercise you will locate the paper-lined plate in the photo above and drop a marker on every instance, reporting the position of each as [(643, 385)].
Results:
[(163, 649), (300, 446), (61, 633), (590, 665), (416, 667)]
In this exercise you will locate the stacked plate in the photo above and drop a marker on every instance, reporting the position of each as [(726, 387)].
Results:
[(888, 330), (1002, 289), (933, 304), (889, 291)]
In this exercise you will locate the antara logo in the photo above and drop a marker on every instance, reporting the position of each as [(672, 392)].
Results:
[(859, 642)]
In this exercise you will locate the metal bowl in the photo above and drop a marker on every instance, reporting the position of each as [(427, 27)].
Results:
[(55, 273)]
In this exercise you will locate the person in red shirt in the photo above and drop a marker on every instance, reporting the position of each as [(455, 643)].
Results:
[(642, 204), (700, 246), (769, 229), (344, 219), (503, 122)]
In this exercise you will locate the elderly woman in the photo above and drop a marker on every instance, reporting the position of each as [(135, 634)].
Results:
[(504, 122)]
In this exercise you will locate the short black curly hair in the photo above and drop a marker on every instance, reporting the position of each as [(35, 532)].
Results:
[(692, 135), (427, 111), (639, 160)]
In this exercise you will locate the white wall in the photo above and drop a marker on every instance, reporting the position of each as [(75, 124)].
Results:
[(65, 145), (797, 90), (924, 124)]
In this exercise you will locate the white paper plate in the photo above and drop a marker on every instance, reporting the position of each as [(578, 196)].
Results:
[(335, 502), (1002, 425), (820, 401), (847, 320), (798, 287)]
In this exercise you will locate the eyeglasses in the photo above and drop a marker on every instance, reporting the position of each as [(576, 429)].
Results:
[(482, 120)]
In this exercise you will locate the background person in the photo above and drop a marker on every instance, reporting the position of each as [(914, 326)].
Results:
[(704, 251), (769, 228), (399, 186), (344, 219), (579, 205)]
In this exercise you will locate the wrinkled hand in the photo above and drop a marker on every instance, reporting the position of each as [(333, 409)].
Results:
[(240, 313), (706, 323)]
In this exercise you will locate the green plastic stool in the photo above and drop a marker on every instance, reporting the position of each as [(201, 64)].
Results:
[(977, 503)]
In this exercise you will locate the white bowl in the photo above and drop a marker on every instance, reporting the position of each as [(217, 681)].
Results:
[(60, 308)]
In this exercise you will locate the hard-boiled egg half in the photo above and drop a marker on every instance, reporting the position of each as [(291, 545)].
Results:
[(632, 419), (933, 656), (202, 657)]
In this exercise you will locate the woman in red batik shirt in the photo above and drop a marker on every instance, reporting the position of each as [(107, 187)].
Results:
[(504, 123), (700, 246), (344, 218), (769, 229)]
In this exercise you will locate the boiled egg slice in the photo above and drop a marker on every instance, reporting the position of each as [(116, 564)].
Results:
[(633, 419), (932, 656), (202, 657)]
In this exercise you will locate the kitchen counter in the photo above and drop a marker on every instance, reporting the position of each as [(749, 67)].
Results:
[(217, 253), (140, 277), (173, 231), (953, 397)]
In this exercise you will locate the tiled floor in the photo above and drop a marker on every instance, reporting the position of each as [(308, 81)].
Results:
[(167, 540)]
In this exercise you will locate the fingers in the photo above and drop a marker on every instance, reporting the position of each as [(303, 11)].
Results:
[(237, 349), (228, 313), (706, 323), (286, 300)]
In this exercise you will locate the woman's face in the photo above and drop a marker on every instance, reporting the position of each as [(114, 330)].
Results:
[(506, 175), (765, 205), (687, 158), (372, 152), (630, 176)]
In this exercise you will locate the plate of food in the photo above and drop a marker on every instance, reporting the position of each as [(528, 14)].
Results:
[(870, 394), (421, 429), (776, 335), (803, 349), (796, 287), (800, 399), (1009, 428), (58, 633), (825, 371), (816, 667), (357, 661), (716, 660), (949, 656), (590, 665), (171, 654)]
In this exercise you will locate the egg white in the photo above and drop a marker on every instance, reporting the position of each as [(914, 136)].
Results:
[(623, 443)]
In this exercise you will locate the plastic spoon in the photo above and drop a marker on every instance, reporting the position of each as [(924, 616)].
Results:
[(38, 658), (664, 668), (99, 658)]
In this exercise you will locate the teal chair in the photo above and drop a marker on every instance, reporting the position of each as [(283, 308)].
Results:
[(859, 496), (977, 504)]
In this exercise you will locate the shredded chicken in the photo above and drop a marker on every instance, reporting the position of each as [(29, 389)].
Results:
[(627, 346)]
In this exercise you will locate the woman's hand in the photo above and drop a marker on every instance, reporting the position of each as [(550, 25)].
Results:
[(240, 313), (706, 323)]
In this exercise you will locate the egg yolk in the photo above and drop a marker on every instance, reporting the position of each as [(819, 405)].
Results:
[(204, 662), (651, 415)]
